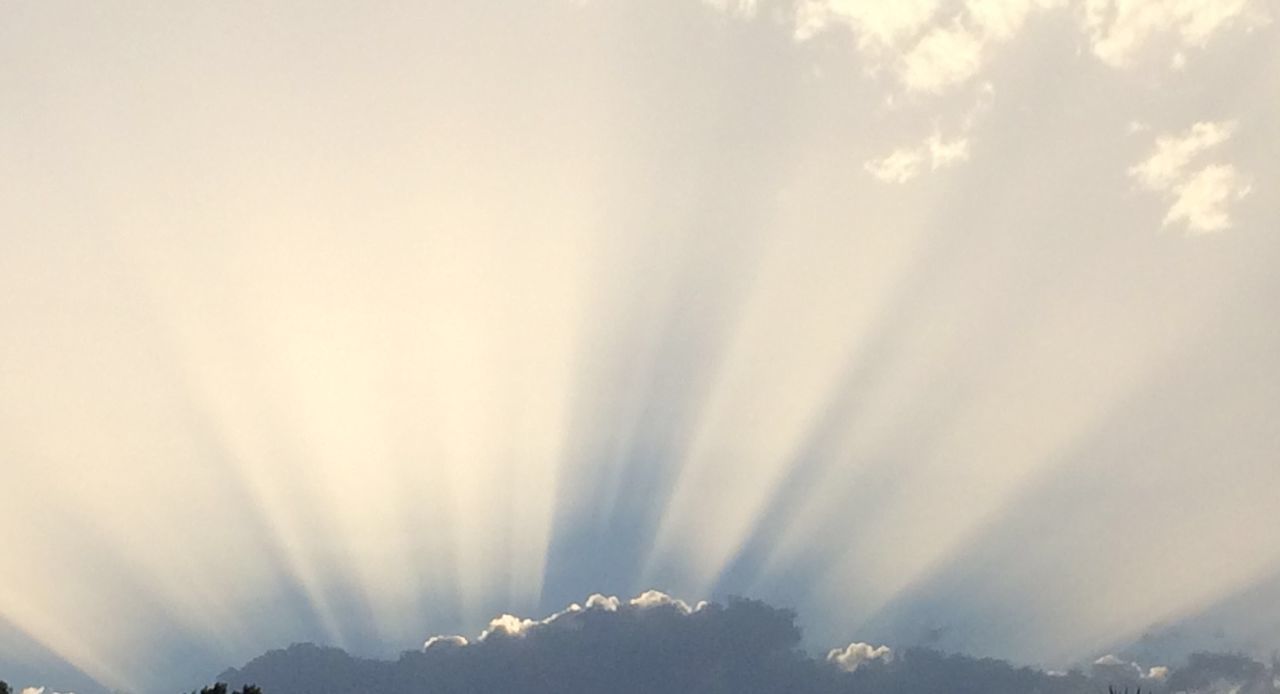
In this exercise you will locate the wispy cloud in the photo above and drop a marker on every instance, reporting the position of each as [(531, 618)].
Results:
[(1201, 197), (1120, 29)]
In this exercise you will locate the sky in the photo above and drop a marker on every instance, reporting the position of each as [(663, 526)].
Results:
[(944, 323)]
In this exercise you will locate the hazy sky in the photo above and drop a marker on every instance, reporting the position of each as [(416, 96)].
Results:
[(943, 322)]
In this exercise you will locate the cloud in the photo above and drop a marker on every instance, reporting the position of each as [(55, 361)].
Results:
[(944, 57), (1222, 673), (467, 313), (899, 166), (600, 602), (933, 47), (929, 49), (1113, 669), (1167, 163), (651, 643), (508, 625), (655, 643), (451, 641), (905, 163), (877, 25), (943, 153), (1119, 29), (855, 654), (1201, 199), (513, 626), (1002, 19), (653, 598)]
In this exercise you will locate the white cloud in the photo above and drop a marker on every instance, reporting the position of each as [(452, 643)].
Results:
[(899, 166), (511, 625), (855, 654), (1118, 29), (655, 598), (1173, 153), (1159, 673), (455, 641), (508, 625), (876, 24), (944, 153), (944, 57), (1203, 199), (905, 163), (1002, 19), (601, 602), (929, 51), (936, 48)]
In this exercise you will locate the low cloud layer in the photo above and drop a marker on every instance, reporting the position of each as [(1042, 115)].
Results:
[(656, 643)]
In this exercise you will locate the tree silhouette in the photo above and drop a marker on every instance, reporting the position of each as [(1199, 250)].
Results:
[(4, 688), (218, 688)]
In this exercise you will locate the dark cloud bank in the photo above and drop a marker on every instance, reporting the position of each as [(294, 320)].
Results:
[(741, 647)]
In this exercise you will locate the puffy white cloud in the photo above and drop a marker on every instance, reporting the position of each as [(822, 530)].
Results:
[(1203, 200), (1118, 29), (508, 625), (655, 598), (601, 602), (944, 57), (512, 626), (1173, 153), (855, 654)]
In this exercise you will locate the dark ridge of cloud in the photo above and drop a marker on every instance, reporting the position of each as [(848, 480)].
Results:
[(656, 644), (1245, 622)]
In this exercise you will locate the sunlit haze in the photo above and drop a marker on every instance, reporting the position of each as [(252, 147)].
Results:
[(944, 323)]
